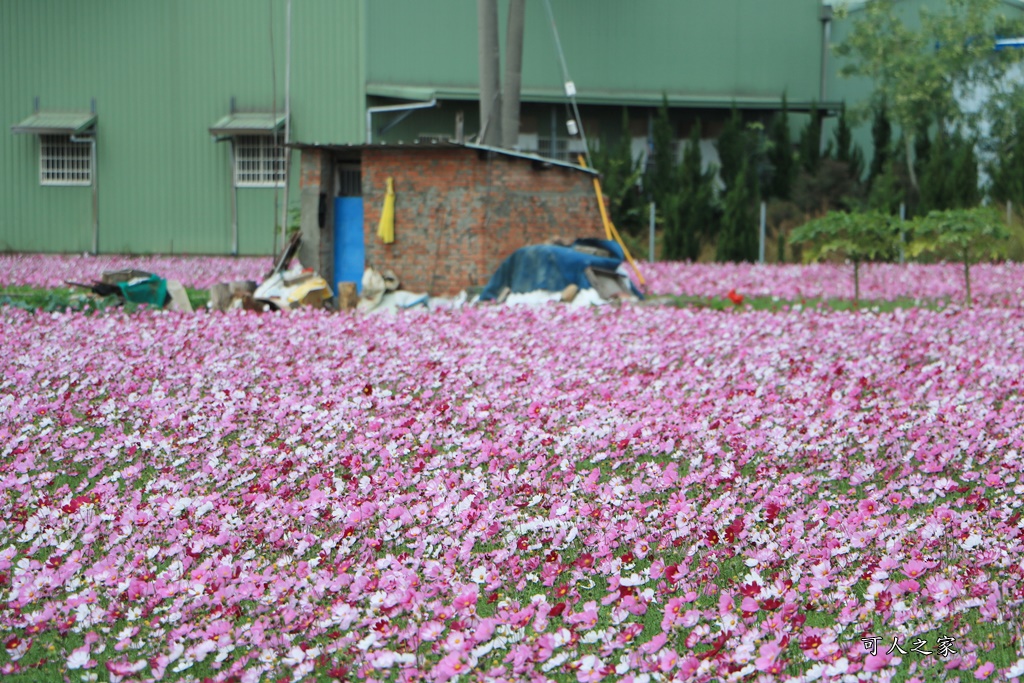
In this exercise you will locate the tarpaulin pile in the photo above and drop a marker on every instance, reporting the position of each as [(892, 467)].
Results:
[(552, 268)]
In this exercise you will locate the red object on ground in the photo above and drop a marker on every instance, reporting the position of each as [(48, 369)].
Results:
[(734, 297)]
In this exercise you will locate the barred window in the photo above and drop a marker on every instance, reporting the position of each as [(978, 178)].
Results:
[(63, 162), (259, 161)]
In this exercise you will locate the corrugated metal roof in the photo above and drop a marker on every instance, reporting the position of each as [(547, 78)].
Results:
[(56, 123), (248, 123), (422, 146), (619, 98)]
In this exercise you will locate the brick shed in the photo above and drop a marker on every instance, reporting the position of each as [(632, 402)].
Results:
[(460, 210)]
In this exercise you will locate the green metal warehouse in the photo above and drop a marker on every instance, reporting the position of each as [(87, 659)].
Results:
[(155, 126)]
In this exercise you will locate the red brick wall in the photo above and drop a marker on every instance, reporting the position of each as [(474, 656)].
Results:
[(459, 215)]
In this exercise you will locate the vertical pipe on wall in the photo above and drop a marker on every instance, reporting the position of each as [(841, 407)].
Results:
[(287, 119), (761, 231), (489, 64), (95, 198), (553, 151), (513, 74), (826, 35), (234, 202), (650, 230)]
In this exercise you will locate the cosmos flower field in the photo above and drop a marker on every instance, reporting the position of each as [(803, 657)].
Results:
[(642, 493), (999, 284), (200, 272), (992, 284)]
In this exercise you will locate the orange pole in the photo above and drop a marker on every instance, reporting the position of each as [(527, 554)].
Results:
[(609, 227)]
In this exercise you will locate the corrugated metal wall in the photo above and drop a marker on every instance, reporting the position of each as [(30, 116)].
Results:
[(696, 48), (162, 72)]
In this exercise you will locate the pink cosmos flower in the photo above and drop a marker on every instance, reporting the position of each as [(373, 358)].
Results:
[(877, 661), (768, 657), (467, 599), (916, 568), (431, 630), (455, 642), (451, 665)]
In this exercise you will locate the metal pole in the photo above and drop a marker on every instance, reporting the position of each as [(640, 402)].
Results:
[(513, 74), (903, 217), (554, 134), (760, 243), (650, 253), (490, 78), (287, 118), (234, 202), (825, 17), (95, 199)]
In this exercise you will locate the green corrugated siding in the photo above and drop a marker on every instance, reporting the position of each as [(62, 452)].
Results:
[(725, 48), (162, 72)]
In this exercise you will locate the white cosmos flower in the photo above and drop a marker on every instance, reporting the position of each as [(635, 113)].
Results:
[(78, 658), (973, 541)]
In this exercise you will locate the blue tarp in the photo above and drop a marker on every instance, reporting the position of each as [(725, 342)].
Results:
[(550, 268)]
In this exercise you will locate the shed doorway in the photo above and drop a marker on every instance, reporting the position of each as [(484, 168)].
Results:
[(349, 247)]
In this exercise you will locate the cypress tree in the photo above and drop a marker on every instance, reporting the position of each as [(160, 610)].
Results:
[(1007, 169), (732, 150), (673, 220), (696, 198), (619, 175), (846, 151), (887, 191), (661, 179), (966, 175), (881, 139), (810, 142), (950, 176), (922, 148), (737, 240), (934, 175), (781, 155)]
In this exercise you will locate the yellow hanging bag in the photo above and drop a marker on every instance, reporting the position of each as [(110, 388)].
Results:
[(386, 229)]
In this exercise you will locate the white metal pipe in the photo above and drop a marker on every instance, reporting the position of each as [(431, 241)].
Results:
[(650, 228), (370, 111), (761, 236), (825, 39), (287, 118), (234, 202)]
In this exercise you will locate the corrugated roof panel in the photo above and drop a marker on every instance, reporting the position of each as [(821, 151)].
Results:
[(248, 123), (56, 123)]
